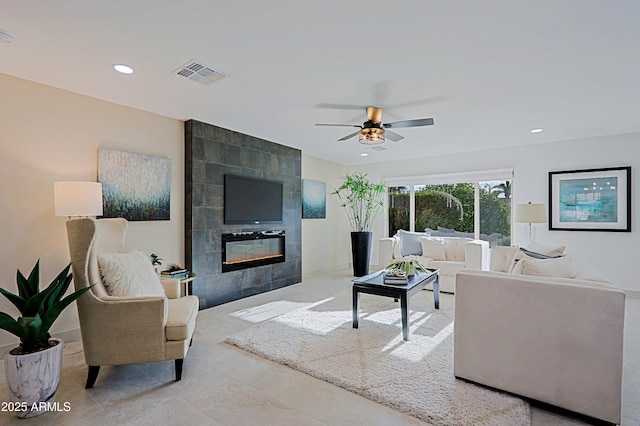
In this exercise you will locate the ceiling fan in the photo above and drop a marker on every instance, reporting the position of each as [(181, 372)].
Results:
[(373, 131)]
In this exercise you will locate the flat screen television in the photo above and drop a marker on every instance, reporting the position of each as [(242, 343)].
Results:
[(250, 200)]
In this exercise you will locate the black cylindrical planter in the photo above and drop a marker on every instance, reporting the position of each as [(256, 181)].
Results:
[(360, 250)]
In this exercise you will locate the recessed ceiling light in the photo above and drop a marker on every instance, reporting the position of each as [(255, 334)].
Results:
[(538, 130), (364, 154), (124, 69)]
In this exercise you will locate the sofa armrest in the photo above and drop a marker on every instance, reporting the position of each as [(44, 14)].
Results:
[(476, 255), (385, 252), (123, 330), (171, 287)]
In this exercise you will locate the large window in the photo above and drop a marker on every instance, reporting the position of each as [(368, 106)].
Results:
[(472, 206), (495, 212), (398, 212)]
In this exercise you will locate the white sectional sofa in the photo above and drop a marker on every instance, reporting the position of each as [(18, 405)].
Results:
[(555, 340), (449, 255)]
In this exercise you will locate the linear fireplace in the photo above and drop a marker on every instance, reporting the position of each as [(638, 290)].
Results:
[(243, 250)]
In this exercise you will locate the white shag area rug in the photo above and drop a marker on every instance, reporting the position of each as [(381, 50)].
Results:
[(414, 376)]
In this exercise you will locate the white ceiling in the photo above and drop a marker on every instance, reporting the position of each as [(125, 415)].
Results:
[(486, 71)]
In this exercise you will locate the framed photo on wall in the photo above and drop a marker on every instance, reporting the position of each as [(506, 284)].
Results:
[(314, 199), (134, 186), (590, 200)]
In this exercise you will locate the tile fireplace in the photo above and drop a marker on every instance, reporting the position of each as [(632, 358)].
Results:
[(242, 250)]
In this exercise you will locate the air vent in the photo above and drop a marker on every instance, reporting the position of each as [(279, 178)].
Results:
[(378, 148), (200, 73)]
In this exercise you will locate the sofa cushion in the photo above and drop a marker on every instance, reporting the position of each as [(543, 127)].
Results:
[(181, 320), (455, 248), (555, 267), (433, 248), (129, 275), (447, 267), (502, 258), (410, 242)]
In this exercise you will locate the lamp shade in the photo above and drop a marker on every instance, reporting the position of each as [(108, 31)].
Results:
[(530, 213), (77, 198)]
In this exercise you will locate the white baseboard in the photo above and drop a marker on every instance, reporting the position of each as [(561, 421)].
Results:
[(72, 335)]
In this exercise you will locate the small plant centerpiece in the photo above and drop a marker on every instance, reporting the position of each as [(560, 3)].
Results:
[(33, 368), (361, 199), (399, 271), (407, 267)]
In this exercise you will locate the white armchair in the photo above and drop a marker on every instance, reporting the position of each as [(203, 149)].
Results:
[(120, 330), (448, 254)]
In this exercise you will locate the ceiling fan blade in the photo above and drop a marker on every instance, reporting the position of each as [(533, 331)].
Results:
[(409, 123), (339, 106), (393, 136), (348, 136), (341, 125)]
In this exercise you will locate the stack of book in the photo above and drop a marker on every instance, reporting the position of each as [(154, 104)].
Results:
[(395, 278), (178, 273)]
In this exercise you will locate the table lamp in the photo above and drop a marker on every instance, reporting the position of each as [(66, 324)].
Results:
[(77, 199), (530, 213)]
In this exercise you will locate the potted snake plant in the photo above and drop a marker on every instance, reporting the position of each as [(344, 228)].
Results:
[(361, 199), (33, 367)]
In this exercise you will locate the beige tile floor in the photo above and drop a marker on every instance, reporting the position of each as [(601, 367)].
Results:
[(227, 386)]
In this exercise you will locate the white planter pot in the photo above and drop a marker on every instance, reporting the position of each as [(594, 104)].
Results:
[(33, 379)]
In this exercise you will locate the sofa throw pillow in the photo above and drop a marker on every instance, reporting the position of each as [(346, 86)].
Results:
[(433, 248), (544, 249), (129, 275), (517, 257), (410, 242), (535, 255), (558, 267), (523, 253)]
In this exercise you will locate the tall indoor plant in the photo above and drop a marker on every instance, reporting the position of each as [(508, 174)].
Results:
[(33, 367), (361, 199)]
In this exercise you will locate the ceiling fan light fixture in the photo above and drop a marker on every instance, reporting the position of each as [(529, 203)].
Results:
[(371, 136)]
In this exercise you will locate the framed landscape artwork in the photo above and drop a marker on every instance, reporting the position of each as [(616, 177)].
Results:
[(590, 200), (135, 187), (314, 199)]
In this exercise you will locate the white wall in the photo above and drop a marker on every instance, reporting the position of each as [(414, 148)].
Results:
[(326, 243), (48, 135), (614, 254)]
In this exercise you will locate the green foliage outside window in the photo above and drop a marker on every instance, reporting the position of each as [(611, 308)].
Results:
[(452, 207)]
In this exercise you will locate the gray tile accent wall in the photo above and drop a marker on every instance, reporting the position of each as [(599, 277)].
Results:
[(210, 153)]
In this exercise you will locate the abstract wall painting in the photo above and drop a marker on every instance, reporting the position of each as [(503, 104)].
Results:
[(590, 200), (134, 186), (314, 199)]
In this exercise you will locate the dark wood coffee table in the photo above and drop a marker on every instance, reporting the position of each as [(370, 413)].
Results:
[(374, 284)]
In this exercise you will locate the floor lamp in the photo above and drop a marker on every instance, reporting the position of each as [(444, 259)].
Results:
[(530, 213)]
